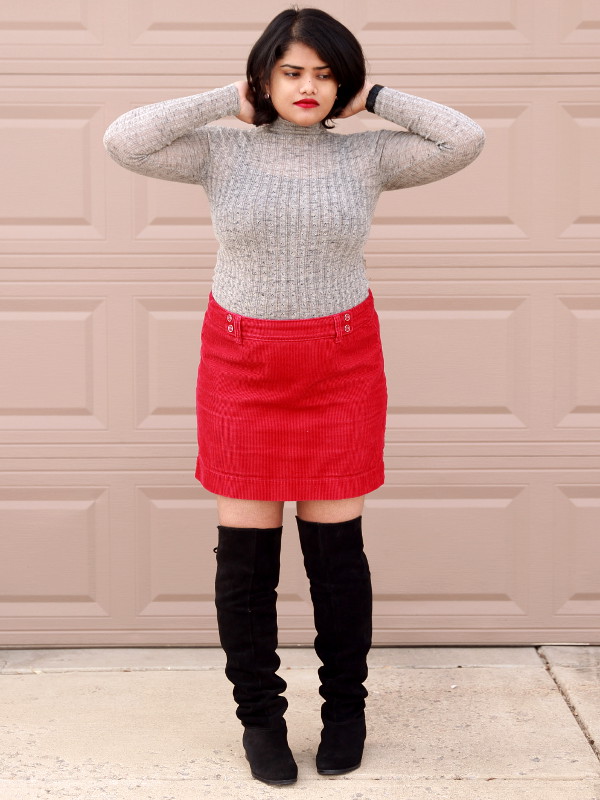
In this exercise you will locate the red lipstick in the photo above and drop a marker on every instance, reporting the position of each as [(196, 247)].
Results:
[(306, 103)]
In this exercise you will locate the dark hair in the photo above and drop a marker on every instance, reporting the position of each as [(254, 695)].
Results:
[(332, 42)]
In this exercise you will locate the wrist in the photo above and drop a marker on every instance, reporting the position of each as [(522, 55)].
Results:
[(364, 94), (239, 85)]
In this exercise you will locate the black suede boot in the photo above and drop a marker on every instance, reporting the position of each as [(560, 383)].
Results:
[(340, 588), (245, 597)]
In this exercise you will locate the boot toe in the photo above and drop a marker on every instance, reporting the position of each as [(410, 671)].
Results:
[(269, 755), (341, 747)]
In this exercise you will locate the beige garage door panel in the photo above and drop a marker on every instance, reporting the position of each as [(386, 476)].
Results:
[(405, 31), (487, 286), (471, 554), (533, 190)]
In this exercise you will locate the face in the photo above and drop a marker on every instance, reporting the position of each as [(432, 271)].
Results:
[(302, 75)]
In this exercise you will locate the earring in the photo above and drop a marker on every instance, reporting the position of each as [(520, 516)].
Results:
[(267, 95)]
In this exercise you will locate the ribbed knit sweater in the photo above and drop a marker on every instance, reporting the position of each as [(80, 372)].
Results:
[(291, 205)]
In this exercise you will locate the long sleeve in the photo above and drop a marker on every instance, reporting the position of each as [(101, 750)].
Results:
[(170, 140), (439, 141)]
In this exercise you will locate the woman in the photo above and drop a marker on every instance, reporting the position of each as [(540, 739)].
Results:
[(291, 392)]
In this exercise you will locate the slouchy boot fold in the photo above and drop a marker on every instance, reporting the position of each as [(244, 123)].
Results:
[(245, 598), (340, 588)]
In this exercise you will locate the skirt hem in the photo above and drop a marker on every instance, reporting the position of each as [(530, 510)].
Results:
[(245, 487)]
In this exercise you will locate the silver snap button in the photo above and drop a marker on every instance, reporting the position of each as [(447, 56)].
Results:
[(347, 317), (229, 317), (230, 328), (347, 328)]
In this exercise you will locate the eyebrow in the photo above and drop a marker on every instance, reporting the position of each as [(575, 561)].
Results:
[(293, 66)]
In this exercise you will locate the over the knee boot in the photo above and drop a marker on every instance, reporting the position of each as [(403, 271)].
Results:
[(245, 597), (340, 588)]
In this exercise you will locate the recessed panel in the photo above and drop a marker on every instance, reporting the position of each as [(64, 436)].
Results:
[(444, 22), (579, 21), (48, 172), (59, 22), (578, 171), (577, 366), (168, 210), (164, 22), (174, 545), (576, 588), (167, 355), (456, 362), (54, 363), (486, 199), (54, 553), (449, 549)]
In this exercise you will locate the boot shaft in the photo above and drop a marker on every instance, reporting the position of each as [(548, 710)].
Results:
[(341, 593), (247, 575)]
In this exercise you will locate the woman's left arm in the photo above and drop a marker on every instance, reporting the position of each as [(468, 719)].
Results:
[(440, 140)]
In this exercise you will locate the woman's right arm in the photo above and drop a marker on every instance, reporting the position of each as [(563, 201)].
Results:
[(169, 140)]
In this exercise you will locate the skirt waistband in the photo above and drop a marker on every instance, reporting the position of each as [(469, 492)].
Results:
[(335, 325)]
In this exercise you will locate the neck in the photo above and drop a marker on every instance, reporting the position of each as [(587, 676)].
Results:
[(282, 125)]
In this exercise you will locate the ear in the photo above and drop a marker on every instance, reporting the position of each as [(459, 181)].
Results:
[(267, 82)]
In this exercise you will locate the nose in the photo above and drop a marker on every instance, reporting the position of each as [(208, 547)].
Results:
[(309, 86)]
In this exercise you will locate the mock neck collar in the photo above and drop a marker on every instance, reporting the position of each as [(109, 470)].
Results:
[(284, 126)]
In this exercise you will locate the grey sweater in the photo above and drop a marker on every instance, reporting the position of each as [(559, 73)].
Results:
[(291, 205)]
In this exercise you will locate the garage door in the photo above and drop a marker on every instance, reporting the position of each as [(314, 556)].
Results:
[(487, 285)]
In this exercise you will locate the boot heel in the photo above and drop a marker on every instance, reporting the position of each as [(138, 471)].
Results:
[(341, 747)]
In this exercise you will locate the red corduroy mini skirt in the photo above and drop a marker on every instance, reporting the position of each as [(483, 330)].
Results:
[(291, 409)]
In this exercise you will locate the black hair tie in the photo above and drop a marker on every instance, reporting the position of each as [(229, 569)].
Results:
[(370, 101)]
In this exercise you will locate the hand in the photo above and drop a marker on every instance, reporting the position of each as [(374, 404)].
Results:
[(357, 103), (246, 108)]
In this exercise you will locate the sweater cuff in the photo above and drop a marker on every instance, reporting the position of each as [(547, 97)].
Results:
[(228, 100)]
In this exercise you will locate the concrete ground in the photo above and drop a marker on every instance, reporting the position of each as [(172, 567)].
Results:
[(447, 723)]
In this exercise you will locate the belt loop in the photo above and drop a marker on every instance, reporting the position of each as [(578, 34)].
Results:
[(339, 328)]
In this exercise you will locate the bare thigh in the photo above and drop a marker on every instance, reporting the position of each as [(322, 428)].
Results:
[(236, 513), (330, 510)]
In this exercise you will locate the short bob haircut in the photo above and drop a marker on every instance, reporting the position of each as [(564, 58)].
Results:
[(332, 42)]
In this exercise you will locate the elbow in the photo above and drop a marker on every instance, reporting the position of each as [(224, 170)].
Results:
[(119, 143), (110, 140), (469, 136), (470, 146), (475, 140), (110, 137), (478, 136), (118, 148)]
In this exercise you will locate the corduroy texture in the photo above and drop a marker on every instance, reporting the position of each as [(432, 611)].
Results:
[(291, 204), (291, 409)]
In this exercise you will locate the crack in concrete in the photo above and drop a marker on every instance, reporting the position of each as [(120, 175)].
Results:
[(584, 729)]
